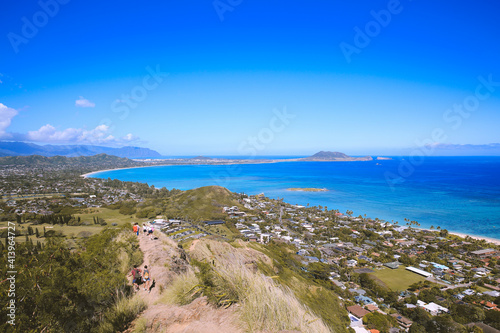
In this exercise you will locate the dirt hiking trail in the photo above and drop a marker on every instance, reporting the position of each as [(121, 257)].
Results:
[(165, 262)]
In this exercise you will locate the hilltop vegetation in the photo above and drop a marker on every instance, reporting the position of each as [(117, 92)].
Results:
[(203, 203), (80, 290)]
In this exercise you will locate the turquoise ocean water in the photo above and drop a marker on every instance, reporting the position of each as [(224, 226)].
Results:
[(460, 194)]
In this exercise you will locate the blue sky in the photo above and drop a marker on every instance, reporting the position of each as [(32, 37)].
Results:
[(236, 77)]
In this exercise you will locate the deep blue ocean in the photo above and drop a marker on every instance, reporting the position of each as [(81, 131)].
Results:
[(461, 194)]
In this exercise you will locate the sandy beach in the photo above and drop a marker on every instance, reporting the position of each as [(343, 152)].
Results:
[(86, 175), (488, 239), (459, 234)]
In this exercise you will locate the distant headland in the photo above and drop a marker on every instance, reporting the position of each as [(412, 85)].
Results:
[(329, 156), (322, 156)]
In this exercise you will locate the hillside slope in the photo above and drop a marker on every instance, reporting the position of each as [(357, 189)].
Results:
[(38, 160), (220, 288), (202, 203)]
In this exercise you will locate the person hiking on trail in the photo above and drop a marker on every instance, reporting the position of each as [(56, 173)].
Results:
[(144, 229), (150, 232), (146, 278), (136, 277), (135, 228)]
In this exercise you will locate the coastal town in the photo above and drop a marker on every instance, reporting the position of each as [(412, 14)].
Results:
[(389, 276)]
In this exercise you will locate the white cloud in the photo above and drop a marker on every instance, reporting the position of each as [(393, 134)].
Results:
[(49, 134), (129, 137), (84, 103), (6, 115), (98, 135)]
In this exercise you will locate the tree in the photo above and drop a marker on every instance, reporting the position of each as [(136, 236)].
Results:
[(465, 313), (412, 299), (493, 318), (391, 297), (319, 270), (70, 291), (444, 323), (377, 320), (419, 316), (417, 328)]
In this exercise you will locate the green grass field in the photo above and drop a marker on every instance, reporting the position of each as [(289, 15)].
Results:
[(109, 215), (397, 279), (483, 289)]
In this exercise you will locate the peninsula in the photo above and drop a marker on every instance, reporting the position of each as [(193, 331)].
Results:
[(322, 156)]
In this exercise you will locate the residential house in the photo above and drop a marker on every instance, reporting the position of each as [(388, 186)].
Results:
[(403, 322)]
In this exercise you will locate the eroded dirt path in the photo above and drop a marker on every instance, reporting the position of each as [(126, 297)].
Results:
[(165, 262)]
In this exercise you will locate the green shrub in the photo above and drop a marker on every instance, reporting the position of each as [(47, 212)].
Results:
[(180, 291), (119, 316), (66, 290)]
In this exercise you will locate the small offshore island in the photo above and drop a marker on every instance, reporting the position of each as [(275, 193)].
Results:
[(307, 189)]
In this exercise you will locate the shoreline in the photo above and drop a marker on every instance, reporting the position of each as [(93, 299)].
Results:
[(88, 174), (221, 162), (228, 162), (464, 236), (487, 239), (494, 241)]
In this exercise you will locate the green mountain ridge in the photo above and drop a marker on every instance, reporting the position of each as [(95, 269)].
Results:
[(67, 161)]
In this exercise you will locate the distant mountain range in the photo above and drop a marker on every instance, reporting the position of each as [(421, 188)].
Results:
[(492, 149), (24, 149), (100, 160)]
